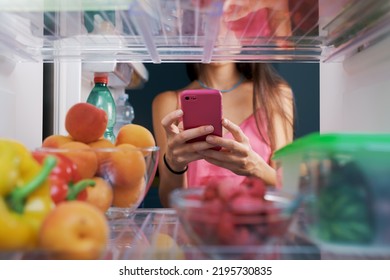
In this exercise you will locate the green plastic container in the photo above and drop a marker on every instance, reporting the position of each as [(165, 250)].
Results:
[(346, 180)]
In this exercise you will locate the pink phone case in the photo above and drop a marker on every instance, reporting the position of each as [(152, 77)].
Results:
[(202, 107)]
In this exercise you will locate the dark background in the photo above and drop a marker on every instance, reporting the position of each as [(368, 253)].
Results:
[(302, 77)]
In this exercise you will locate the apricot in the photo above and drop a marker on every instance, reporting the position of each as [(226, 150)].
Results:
[(102, 149), (55, 141), (136, 135), (85, 122), (165, 247), (83, 157), (125, 166), (75, 230), (101, 143), (125, 197), (100, 195)]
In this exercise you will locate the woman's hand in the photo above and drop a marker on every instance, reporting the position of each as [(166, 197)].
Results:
[(236, 154), (179, 153)]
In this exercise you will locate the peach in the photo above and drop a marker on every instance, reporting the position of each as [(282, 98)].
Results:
[(136, 135), (125, 167), (85, 122), (55, 141), (83, 157), (75, 230), (100, 195)]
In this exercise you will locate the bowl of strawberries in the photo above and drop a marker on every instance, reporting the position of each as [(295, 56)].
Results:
[(240, 220)]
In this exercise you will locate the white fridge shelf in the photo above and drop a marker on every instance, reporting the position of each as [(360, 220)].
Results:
[(188, 30)]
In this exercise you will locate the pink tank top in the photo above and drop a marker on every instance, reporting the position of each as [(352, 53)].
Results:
[(201, 172)]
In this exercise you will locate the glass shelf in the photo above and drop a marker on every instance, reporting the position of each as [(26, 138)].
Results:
[(160, 31), (150, 234)]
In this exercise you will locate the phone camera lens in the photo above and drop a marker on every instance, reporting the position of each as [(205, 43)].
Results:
[(187, 98)]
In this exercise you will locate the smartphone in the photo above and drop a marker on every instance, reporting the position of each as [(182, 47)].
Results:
[(202, 107)]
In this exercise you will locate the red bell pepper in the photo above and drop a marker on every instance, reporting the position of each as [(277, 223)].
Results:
[(65, 183)]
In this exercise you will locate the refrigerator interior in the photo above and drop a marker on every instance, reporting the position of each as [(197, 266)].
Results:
[(348, 39)]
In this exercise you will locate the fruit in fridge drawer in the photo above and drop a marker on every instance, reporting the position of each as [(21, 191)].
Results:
[(55, 141), (83, 157), (85, 122), (75, 230), (136, 135)]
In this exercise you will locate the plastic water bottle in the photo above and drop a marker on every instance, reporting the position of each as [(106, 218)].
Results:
[(101, 97), (124, 112)]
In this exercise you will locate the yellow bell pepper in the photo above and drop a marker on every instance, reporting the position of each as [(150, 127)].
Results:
[(9, 167), (24, 206)]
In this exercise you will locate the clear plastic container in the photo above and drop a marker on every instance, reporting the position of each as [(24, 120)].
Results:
[(345, 179), (101, 97)]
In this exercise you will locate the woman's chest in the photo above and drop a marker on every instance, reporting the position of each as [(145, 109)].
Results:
[(237, 108)]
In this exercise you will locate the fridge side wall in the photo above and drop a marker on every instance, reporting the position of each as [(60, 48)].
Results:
[(21, 102), (355, 94)]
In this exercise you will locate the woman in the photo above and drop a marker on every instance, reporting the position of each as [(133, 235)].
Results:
[(258, 111)]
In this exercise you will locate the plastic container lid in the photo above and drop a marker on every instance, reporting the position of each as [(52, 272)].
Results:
[(336, 142)]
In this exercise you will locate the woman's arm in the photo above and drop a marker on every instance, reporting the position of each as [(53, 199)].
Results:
[(172, 140), (163, 104)]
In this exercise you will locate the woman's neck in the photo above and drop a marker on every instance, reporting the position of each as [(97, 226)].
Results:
[(220, 76)]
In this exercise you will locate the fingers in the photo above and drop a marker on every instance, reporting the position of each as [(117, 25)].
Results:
[(229, 161), (235, 130), (173, 127), (189, 134), (239, 146), (168, 122)]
